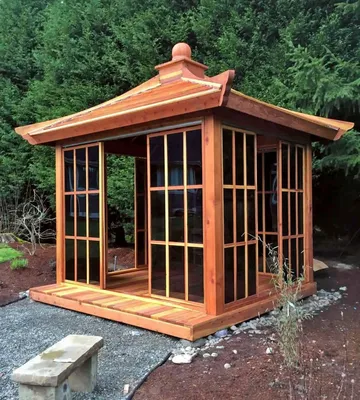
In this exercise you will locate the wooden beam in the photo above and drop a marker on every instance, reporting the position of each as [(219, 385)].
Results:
[(60, 216), (213, 224), (309, 272)]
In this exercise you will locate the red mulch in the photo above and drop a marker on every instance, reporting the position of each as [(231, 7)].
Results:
[(41, 270), (256, 375)]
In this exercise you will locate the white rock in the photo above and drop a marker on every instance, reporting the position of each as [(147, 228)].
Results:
[(233, 328), (214, 354), (343, 288), (221, 333), (220, 347), (235, 351), (269, 350), (126, 388), (227, 366), (182, 359), (206, 355)]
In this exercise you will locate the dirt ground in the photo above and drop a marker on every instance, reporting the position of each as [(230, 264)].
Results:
[(41, 270), (330, 362), (331, 341)]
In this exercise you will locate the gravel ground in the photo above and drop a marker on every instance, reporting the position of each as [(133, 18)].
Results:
[(27, 328)]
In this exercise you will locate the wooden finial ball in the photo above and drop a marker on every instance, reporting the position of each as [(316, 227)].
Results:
[(181, 50)]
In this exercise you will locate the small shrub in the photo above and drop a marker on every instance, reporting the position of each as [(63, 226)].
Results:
[(19, 263), (7, 253)]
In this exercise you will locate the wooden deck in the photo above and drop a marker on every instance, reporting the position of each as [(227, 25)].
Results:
[(130, 303)]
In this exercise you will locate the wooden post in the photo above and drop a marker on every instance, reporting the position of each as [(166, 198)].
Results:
[(213, 217), (309, 272), (60, 232)]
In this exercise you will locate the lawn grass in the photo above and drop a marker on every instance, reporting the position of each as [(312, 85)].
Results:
[(7, 253)]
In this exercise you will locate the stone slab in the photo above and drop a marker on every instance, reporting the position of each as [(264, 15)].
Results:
[(56, 364)]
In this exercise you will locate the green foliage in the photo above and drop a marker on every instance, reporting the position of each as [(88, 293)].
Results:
[(18, 263), (7, 253), (61, 56)]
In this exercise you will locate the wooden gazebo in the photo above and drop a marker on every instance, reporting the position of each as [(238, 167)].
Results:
[(219, 175)]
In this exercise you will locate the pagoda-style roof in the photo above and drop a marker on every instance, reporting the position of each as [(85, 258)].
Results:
[(181, 87)]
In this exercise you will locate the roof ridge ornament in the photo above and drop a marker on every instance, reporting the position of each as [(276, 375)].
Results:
[(181, 65)]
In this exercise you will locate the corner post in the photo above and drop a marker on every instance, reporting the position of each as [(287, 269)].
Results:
[(60, 233), (213, 221), (309, 272)]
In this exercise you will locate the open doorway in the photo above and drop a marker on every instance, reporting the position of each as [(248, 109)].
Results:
[(126, 214)]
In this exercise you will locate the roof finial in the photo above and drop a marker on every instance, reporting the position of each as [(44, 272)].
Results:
[(181, 50)]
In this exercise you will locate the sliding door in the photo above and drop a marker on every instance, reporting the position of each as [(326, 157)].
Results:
[(176, 215), (291, 206), (239, 205), (84, 214)]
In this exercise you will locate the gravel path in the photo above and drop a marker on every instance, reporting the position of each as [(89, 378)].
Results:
[(28, 328)]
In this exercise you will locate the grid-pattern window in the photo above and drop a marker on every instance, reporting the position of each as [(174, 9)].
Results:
[(176, 214), (292, 207), (82, 214), (239, 204), (267, 184)]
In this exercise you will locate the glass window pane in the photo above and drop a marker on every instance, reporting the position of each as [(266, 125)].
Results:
[(69, 260), (251, 269), (250, 159), (227, 157), (300, 213), (158, 270), (81, 214), (196, 274), (239, 157), (81, 260), (284, 166), (240, 272), (285, 263), (195, 216), (300, 183), (94, 215), (175, 150), (69, 215), (229, 275), (228, 216), (285, 214), (251, 215), (158, 215), (140, 237), (80, 169), (194, 157), (176, 215), (271, 212), (261, 257), (272, 251), (140, 212), (240, 218), (301, 257), (140, 175), (157, 161), (292, 167), (259, 172), (176, 272), (93, 160), (94, 262), (260, 213), (293, 260), (69, 170), (293, 212), (270, 171)]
